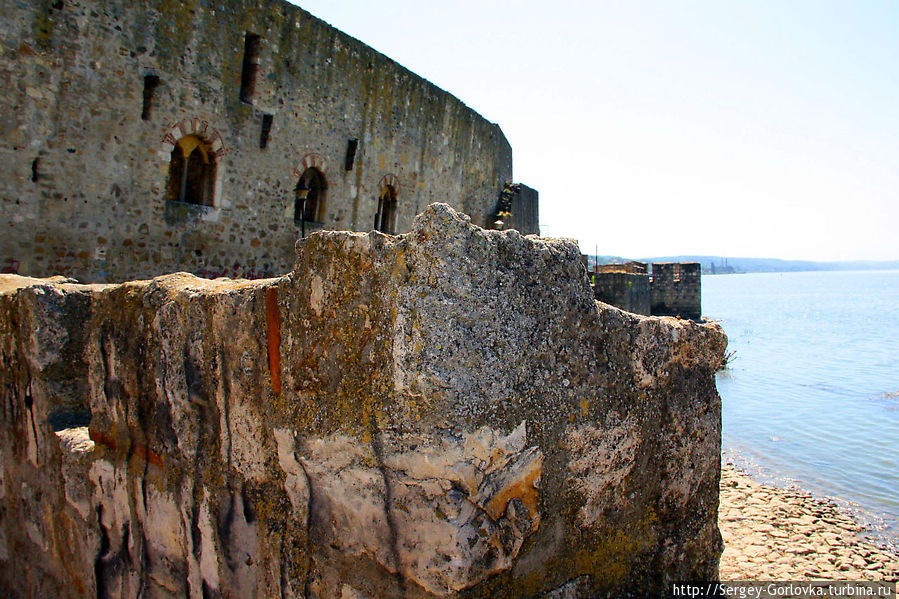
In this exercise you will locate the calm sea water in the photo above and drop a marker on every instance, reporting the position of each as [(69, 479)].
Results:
[(811, 396)]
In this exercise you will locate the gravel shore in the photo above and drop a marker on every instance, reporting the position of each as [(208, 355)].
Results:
[(785, 534)]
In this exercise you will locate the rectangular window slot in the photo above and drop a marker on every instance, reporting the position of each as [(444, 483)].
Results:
[(351, 146), (35, 170), (250, 67), (266, 129), (151, 82)]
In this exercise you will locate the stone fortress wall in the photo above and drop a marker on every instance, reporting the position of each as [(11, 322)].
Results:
[(673, 289), (143, 138), (624, 286), (676, 289), (447, 412)]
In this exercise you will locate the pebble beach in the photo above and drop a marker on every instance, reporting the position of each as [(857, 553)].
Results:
[(772, 533)]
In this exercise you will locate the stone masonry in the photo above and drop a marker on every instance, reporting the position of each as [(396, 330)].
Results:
[(624, 286), (674, 289), (411, 416), (139, 138)]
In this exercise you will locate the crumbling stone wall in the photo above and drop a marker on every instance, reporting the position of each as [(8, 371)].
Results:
[(97, 94), (676, 289), (519, 208), (632, 267), (625, 290), (442, 413)]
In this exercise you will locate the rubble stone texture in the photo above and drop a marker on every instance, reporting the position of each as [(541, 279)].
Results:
[(97, 93), (772, 533), (442, 413)]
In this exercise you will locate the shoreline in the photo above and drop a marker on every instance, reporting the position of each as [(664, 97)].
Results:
[(773, 533)]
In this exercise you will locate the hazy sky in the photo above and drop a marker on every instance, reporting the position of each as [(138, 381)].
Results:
[(762, 128)]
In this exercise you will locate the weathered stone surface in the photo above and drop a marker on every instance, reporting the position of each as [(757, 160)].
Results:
[(442, 413)]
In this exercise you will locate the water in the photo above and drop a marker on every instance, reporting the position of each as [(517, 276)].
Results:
[(811, 396)]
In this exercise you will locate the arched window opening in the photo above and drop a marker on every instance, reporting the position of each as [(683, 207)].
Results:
[(385, 219), (192, 172), (312, 211)]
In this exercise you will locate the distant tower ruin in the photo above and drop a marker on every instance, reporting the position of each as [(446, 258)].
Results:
[(673, 289)]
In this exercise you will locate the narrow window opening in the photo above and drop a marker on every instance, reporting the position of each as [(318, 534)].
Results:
[(192, 172), (35, 170), (266, 129), (151, 82), (312, 209), (351, 146), (250, 67), (385, 219)]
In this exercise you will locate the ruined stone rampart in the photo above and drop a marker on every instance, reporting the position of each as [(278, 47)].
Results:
[(632, 267), (625, 290), (103, 98), (676, 289), (443, 413), (519, 208)]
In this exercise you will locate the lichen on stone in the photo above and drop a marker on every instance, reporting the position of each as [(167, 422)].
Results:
[(446, 412)]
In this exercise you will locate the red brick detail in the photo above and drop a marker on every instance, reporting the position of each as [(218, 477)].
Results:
[(389, 180), (194, 126), (273, 326), (311, 160)]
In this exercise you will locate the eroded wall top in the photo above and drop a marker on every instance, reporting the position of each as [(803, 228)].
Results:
[(443, 413)]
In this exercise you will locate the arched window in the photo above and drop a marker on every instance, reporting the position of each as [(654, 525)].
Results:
[(385, 220), (314, 180), (192, 172)]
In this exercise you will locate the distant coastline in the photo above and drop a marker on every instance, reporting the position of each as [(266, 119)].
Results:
[(736, 265)]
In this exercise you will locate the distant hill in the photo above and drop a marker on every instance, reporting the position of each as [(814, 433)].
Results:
[(726, 264)]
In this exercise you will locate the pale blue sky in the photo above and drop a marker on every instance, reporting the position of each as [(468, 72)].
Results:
[(764, 128)]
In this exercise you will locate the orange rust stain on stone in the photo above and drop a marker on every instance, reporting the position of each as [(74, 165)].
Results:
[(523, 488), (150, 456), (139, 450), (273, 322)]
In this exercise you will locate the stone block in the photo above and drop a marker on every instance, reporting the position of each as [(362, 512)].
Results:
[(443, 413)]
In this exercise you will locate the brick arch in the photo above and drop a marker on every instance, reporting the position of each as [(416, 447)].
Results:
[(194, 126), (389, 180), (312, 160)]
